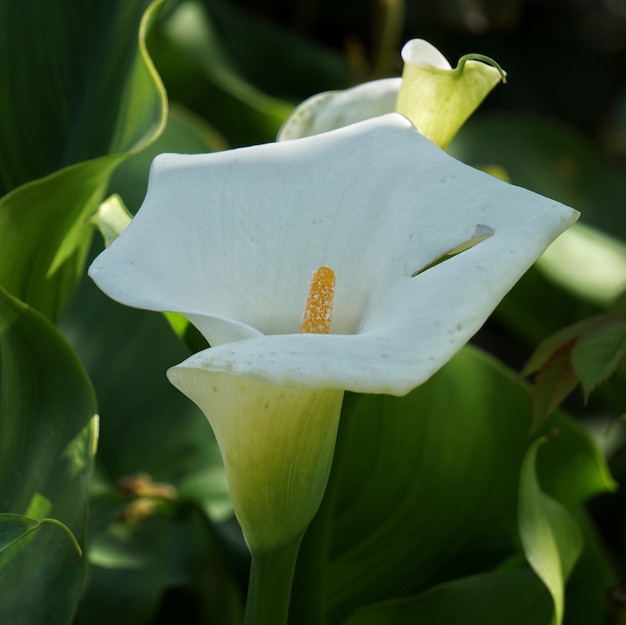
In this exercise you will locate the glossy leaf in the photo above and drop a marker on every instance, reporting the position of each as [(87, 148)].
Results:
[(423, 488), (93, 98), (47, 445), (62, 157), (551, 539)]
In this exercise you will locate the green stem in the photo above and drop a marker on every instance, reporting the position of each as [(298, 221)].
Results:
[(309, 602), (269, 590)]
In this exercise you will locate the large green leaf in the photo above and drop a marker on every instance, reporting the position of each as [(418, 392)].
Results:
[(77, 85), (84, 94), (47, 445), (424, 488)]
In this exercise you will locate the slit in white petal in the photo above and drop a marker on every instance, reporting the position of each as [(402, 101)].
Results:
[(481, 232)]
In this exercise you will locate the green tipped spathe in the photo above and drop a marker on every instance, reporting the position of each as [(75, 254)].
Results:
[(437, 98)]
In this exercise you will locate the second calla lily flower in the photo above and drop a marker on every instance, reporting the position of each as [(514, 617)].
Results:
[(422, 249), (435, 97)]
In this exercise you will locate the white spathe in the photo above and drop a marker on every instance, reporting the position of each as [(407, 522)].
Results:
[(435, 97), (231, 240), (330, 110)]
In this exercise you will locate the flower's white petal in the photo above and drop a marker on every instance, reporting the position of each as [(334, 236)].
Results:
[(413, 324), (232, 239), (334, 109), (420, 52)]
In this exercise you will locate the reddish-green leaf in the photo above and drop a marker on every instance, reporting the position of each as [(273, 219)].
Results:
[(554, 382), (547, 348)]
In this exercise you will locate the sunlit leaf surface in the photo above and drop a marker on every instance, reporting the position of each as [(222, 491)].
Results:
[(47, 446)]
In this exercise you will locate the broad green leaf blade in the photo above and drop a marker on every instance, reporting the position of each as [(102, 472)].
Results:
[(81, 85), (14, 527), (551, 539), (599, 353), (424, 488), (511, 597), (47, 446), (44, 222), (45, 233)]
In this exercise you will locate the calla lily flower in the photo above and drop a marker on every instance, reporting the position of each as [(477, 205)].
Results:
[(435, 97), (422, 248)]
